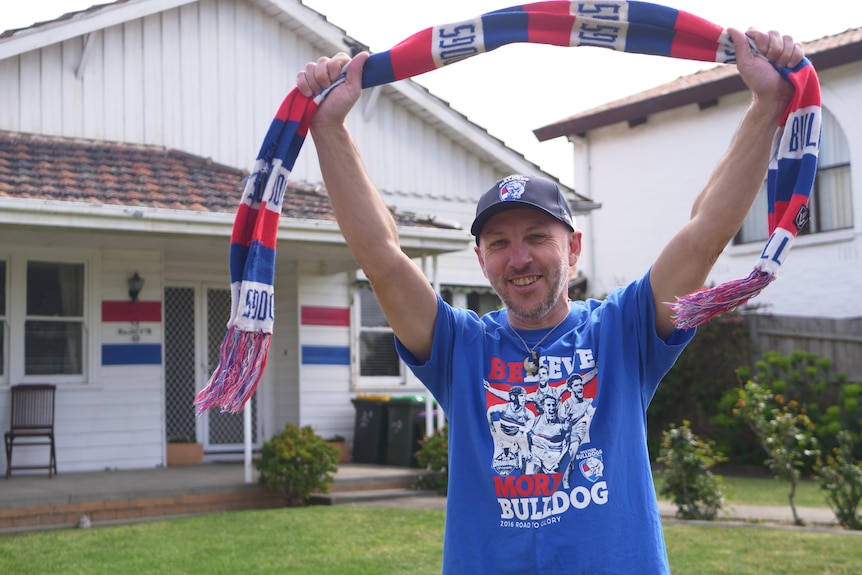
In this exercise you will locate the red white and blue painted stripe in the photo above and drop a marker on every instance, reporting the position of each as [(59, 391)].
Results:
[(143, 319), (635, 27)]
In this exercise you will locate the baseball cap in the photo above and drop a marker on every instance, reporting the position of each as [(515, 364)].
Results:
[(518, 191)]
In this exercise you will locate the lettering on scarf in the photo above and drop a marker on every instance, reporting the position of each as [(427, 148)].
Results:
[(456, 43)]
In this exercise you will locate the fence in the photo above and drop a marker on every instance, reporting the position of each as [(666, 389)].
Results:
[(837, 339)]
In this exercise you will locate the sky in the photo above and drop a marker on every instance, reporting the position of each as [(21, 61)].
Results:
[(514, 90)]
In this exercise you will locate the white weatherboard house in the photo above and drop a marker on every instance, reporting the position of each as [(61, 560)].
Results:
[(668, 141), (125, 132)]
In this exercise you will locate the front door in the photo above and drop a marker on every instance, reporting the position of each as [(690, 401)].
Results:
[(195, 324)]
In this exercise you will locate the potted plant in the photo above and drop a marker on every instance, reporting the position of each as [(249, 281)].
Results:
[(183, 449), (343, 448)]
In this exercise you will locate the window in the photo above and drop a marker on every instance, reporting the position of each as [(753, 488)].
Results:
[(4, 322), (831, 201), (54, 322), (379, 363), (377, 355)]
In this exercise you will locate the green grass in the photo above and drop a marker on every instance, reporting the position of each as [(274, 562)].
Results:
[(348, 540), (767, 491)]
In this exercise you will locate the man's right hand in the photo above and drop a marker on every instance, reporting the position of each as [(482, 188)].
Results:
[(320, 75)]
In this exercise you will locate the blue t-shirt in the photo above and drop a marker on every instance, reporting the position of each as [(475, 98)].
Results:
[(565, 486)]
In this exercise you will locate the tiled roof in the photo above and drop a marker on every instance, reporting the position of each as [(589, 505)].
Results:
[(98, 172)]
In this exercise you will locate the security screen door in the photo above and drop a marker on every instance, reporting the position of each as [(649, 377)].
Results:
[(189, 364)]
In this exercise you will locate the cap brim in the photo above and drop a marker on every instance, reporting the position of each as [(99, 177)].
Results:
[(495, 209)]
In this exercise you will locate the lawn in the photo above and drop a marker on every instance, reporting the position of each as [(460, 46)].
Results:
[(767, 491), (352, 540)]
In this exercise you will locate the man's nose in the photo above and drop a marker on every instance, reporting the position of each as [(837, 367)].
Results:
[(520, 254)]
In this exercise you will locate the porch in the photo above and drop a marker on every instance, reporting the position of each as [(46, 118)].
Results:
[(34, 502)]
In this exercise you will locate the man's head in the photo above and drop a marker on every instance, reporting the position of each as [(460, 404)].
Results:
[(522, 192), (543, 375), (549, 405), (527, 248), (518, 395), (575, 383)]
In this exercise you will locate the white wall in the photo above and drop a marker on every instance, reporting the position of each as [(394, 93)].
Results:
[(647, 178)]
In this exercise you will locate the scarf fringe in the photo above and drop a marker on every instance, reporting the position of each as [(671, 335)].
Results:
[(701, 306), (242, 357)]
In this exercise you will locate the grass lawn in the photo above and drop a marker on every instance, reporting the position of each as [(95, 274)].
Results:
[(349, 540), (767, 491)]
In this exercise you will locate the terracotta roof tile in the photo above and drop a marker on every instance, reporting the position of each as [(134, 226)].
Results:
[(91, 171)]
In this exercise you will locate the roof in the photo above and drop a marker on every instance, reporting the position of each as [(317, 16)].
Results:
[(307, 23), (702, 88), (39, 167)]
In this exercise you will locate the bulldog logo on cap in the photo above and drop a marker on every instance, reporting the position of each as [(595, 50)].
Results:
[(512, 188)]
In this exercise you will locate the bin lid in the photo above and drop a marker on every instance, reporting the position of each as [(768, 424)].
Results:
[(409, 398), (370, 397)]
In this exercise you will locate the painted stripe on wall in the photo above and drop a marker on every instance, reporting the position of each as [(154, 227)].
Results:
[(325, 355), (319, 315), (131, 354), (131, 311)]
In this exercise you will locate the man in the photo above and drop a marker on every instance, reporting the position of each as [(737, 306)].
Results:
[(577, 411), (607, 521), (509, 423), (548, 438)]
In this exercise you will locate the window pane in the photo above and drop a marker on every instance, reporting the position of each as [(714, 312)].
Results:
[(833, 199), (372, 315), (55, 289), (53, 347), (377, 354), (756, 226), (2, 288)]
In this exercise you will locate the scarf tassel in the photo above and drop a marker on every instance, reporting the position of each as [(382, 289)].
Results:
[(701, 306), (242, 357)]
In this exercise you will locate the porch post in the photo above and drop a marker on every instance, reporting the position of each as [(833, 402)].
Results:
[(246, 436)]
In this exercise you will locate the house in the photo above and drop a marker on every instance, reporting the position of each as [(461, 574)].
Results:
[(670, 138), (125, 132)]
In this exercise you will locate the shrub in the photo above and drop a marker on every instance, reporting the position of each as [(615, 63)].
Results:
[(694, 385), (807, 380), (433, 455), (784, 432), (296, 463), (841, 479), (696, 492)]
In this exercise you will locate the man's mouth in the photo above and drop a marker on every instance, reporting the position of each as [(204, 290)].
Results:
[(525, 281)]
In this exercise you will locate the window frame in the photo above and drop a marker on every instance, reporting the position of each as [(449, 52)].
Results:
[(4, 320), (17, 316), (404, 381)]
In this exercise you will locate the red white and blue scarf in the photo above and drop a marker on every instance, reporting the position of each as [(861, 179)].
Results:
[(637, 27)]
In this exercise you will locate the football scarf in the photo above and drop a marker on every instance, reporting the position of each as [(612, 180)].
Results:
[(637, 27)]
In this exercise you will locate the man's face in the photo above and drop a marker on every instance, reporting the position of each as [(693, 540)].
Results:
[(577, 389), (543, 376), (550, 407), (519, 398), (526, 255)]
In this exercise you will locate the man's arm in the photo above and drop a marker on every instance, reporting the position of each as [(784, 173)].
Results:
[(719, 210), (404, 293)]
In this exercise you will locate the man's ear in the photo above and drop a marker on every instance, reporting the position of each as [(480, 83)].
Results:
[(481, 260), (575, 245)]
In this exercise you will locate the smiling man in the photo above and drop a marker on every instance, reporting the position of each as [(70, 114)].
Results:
[(518, 518)]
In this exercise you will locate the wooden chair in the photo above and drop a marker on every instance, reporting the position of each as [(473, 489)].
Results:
[(32, 417)]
